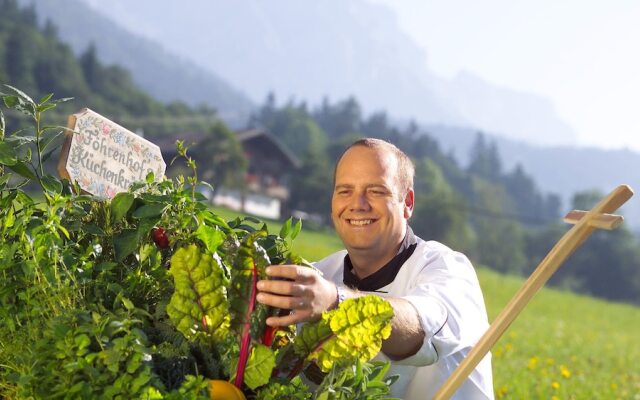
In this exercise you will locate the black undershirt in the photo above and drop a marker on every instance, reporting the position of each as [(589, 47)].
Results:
[(384, 275)]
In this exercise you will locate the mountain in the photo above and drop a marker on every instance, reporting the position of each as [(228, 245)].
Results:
[(161, 73), (563, 170), (334, 48)]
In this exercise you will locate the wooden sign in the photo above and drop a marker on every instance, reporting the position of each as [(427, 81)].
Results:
[(105, 158)]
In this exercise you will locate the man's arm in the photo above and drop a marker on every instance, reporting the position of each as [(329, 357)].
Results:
[(308, 295)]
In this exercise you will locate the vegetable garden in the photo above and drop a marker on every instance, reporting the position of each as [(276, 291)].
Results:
[(152, 295)]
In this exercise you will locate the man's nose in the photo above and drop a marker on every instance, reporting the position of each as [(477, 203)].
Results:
[(359, 202)]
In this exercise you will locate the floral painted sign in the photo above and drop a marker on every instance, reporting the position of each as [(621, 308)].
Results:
[(105, 158)]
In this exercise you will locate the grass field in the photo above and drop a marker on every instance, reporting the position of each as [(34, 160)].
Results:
[(562, 346)]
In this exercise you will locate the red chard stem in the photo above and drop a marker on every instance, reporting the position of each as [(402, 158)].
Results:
[(245, 343)]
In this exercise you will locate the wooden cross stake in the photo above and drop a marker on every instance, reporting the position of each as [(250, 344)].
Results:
[(584, 224)]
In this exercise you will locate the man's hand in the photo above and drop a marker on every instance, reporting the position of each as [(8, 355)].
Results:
[(300, 289)]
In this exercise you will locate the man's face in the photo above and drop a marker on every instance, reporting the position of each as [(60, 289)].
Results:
[(367, 208)]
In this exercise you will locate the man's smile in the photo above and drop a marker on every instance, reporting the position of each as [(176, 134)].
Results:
[(360, 222)]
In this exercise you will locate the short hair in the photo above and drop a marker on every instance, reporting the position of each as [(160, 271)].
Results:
[(406, 169)]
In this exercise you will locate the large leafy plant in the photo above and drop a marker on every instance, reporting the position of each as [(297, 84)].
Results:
[(151, 294)]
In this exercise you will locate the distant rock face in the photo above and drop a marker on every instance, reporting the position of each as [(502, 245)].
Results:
[(333, 48), (506, 112)]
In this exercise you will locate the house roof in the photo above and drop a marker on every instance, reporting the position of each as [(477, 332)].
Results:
[(258, 137), (269, 143)]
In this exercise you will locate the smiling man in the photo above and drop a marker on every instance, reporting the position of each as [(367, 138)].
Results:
[(439, 311)]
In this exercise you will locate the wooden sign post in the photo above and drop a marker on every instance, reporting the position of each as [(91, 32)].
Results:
[(105, 158), (585, 223)]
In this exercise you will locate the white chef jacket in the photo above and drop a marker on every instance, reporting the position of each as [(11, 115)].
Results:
[(443, 287)]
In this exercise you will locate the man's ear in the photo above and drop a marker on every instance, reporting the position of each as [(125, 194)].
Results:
[(409, 202)]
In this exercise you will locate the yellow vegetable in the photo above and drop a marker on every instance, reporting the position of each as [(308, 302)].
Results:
[(223, 390)]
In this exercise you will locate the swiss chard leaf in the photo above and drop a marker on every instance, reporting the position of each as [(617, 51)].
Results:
[(198, 305), (259, 366), (352, 331), (250, 258)]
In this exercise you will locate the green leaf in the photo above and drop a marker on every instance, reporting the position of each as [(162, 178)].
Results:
[(4, 179), (210, 236), (23, 96), (125, 243), (51, 184), (134, 362), (82, 341), (120, 204), (128, 304), (198, 305), (45, 107), (47, 154), (145, 226), (18, 141), (10, 101), (252, 219), (62, 100), (296, 229), (20, 102), (93, 229), (261, 363), (45, 98), (286, 227), (23, 170), (150, 210), (136, 186), (149, 252), (216, 220), (8, 155)]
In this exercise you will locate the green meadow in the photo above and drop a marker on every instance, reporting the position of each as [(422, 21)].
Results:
[(562, 346)]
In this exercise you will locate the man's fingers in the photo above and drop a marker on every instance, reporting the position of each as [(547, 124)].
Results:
[(294, 318), (286, 302), (287, 288), (292, 272)]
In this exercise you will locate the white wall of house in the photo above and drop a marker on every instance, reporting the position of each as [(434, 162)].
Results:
[(262, 206), (231, 199), (255, 204)]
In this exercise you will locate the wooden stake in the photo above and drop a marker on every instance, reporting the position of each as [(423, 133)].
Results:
[(583, 227)]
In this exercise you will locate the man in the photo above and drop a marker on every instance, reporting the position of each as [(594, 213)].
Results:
[(439, 308)]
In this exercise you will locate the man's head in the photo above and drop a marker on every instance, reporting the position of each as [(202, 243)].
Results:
[(406, 169), (372, 199)]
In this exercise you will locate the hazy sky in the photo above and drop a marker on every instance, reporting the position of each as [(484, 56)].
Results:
[(582, 55)]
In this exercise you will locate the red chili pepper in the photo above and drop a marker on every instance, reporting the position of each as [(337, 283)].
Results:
[(160, 238)]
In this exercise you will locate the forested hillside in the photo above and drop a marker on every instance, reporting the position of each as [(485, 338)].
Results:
[(36, 61)]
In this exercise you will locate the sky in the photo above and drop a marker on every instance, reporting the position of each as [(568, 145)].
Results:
[(584, 56)]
